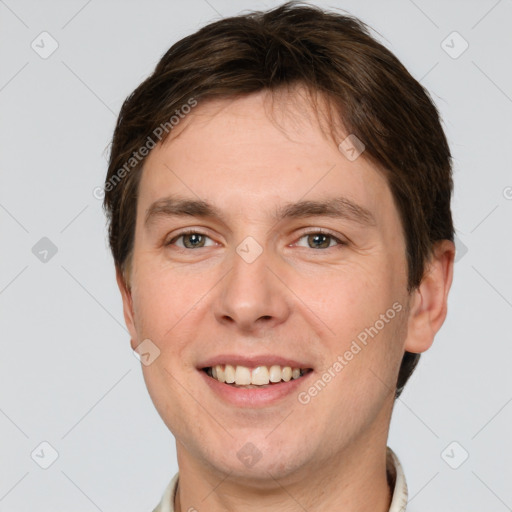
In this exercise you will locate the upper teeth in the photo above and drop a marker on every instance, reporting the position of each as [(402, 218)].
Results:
[(259, 376)]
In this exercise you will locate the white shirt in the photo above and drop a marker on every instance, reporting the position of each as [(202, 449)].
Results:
[(395, 472)]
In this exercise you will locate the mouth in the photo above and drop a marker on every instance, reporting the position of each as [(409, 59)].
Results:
[(254, 380), (260, 376)]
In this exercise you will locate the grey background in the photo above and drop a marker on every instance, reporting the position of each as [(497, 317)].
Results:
[(67, 374)]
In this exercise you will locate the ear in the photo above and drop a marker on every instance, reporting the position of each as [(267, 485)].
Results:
[(128, 313), (428, 306)]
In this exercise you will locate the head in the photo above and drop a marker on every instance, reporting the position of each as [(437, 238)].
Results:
[(312, 175)]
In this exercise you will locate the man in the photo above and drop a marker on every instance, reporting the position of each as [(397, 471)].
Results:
[(279, 204)]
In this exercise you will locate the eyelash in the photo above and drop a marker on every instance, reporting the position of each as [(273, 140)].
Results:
[(318, 231)]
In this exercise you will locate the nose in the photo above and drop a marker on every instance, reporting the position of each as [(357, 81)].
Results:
[(252, 298)]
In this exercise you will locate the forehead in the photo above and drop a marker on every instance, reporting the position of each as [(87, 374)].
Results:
[(248, 152)]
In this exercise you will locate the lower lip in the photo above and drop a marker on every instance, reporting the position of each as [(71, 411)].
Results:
[(254, 397)]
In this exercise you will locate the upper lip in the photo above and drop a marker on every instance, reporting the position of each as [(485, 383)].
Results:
[(252, 361)]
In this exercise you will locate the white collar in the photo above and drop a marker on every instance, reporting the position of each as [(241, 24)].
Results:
[(398, 483), (396, 478)]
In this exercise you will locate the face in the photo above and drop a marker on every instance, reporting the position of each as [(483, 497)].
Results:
[(263, 253)]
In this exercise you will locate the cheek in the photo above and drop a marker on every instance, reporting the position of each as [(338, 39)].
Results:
[(170, 310), (351, 299), (366, 318), (161, 301), (358, 394)]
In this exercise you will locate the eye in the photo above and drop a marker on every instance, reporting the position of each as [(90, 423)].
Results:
[(191, 240), (319, 240)]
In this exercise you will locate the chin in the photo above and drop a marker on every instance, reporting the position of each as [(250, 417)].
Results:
[(256, 462)]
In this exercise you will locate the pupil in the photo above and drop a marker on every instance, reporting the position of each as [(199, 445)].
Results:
[(193, 240), (317, 237)]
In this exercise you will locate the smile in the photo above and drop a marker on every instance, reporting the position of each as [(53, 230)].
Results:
[(255, 380), (258, 376)]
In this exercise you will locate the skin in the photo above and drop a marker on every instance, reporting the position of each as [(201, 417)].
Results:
[(296, 301)]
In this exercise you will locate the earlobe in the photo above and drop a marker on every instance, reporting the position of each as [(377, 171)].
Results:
[(429, 301), (128, 312)]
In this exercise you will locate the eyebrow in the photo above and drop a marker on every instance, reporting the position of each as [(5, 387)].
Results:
[(338, 207)]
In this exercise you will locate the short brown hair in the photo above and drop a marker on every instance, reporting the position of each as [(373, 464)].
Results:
[(332, 54)]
